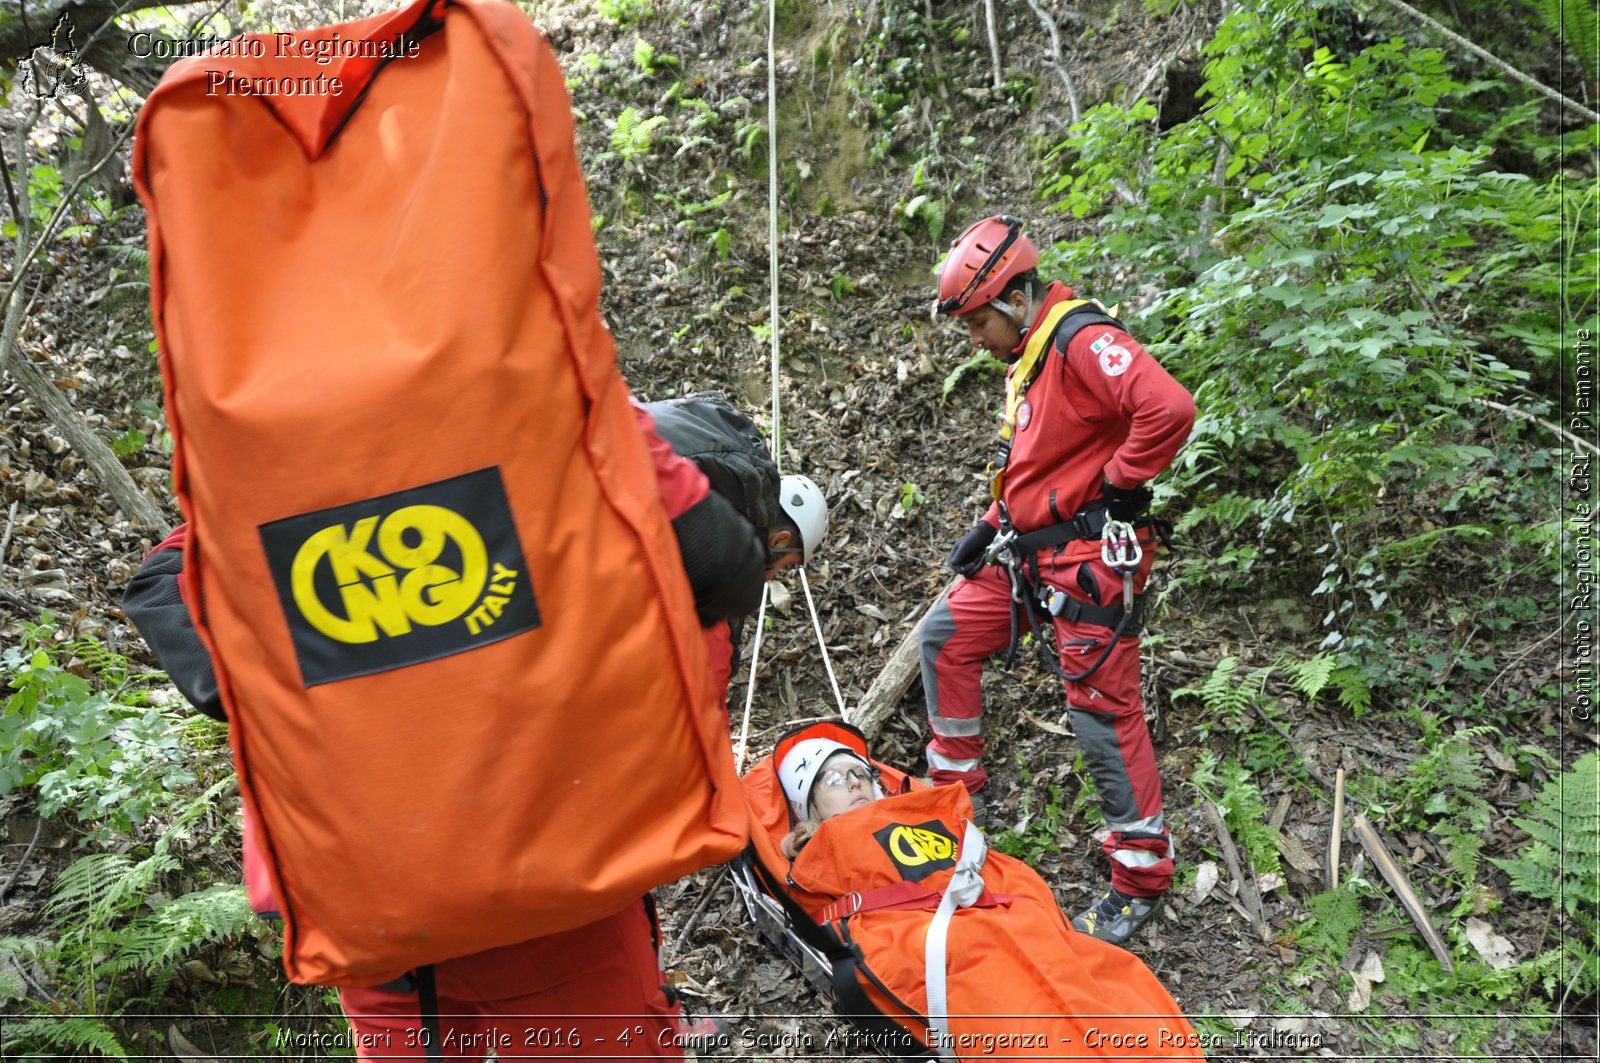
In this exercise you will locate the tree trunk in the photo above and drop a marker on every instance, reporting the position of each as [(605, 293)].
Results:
[(904, 665), (36, 384)]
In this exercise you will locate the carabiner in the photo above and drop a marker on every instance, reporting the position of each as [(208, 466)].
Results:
[(1119, 547)]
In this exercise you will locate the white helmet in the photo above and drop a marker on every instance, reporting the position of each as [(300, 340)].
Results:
[(801, 765), (802, 501)]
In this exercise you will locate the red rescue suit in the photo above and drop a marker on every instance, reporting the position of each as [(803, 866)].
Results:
[(1101, 409)]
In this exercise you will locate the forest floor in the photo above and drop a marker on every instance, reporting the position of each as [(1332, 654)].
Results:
[(683, 240)]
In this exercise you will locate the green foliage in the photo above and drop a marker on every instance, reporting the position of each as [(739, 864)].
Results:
[(1577, 26), (928, 210), (1441, 792), (983, 362), (1035, 832), (1336, 918), (623, 12), (1323, 670), (117, 940), (96, 752), (647, 60), (129, 442), (635, 135), (1341, 275), (907, 58), (1561, 861), (1230, 786), (70, 1033), (1234, 703)]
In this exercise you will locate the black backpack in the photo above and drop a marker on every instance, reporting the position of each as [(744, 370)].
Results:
[(727, 446)]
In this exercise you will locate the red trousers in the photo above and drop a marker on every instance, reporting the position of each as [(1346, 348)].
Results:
[(593, 991), (973, 622)]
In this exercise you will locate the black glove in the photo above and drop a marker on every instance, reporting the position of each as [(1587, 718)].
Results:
[(967, 558), (1125, 503)]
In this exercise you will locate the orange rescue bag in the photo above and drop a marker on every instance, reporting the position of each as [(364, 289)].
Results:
[(468, 697)]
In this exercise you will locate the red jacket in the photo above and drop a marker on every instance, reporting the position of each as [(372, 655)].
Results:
[(1104, 408)]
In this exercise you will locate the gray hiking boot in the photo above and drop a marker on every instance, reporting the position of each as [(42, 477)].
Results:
[(1116, 916)]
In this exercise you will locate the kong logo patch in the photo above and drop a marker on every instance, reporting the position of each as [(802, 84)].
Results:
[(403, 578), (918, 851)]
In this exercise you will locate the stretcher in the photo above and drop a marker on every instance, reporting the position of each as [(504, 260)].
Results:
[(931, 945)]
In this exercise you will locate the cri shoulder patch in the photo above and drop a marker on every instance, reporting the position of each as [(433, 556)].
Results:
[(918, 851), (402, 578)]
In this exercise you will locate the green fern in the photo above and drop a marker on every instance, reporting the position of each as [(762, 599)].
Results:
[(1563, 851), (1442, 794), (1576, 25), (180, 926), (73, 1033), (115, 929), (1231, 788), (1336, 917), (1225, 694), (1354, 692), (1311, 676), (982, 362), (108, 664), (16, 953), (1230, 511)]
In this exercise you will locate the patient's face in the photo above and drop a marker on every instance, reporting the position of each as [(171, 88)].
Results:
[(842, 784)]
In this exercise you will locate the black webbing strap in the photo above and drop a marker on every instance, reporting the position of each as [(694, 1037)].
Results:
[(1089, 523), (1107, 616), (850, 1000), (428, 1007)]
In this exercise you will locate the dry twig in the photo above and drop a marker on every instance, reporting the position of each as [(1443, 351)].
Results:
[(1402, 890), (1230, 856), (1336, 831)]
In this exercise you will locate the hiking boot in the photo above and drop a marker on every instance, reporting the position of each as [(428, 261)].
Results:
[(1116, 916)]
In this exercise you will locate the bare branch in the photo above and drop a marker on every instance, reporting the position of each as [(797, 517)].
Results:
[(994, 43), (1495, 61)]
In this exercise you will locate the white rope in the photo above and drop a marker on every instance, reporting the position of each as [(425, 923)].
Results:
[(777, 417), (816, 625), (750, 689), (772, 220)]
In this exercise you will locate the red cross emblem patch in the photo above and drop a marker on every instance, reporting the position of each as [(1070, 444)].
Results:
[(1115, 359)]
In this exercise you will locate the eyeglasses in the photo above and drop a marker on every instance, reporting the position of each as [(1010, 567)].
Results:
[(835, 779)]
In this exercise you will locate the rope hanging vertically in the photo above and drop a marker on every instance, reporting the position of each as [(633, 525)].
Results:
[(777, 416), (772, 222)]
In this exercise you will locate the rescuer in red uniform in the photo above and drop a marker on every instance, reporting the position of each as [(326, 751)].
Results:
[(1090, 417)]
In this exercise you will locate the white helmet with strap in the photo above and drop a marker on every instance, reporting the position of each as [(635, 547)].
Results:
[(803, 503), (801, 765)]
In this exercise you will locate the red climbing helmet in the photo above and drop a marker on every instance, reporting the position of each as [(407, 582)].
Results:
[(981, 262)]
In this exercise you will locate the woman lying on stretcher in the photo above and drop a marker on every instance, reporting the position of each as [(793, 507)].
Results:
[(967, 950), (823, 777)]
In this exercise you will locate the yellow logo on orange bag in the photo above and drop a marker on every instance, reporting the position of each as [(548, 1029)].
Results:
[(401, 578), (918, 851)]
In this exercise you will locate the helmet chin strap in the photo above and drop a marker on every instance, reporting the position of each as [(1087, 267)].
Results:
[(1023, 319)]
